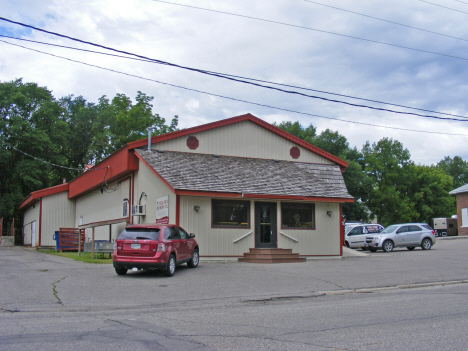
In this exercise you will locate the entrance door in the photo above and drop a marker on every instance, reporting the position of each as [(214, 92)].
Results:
[(265, 225), (33, 234)]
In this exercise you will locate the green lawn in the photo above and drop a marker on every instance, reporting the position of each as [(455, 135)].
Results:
[(85, 256)]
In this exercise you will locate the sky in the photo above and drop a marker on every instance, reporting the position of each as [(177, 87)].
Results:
[(411, 53)]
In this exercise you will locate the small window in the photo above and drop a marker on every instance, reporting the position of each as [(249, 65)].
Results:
[(356, 231), (230, 214), (125, 208), (414, 228), (298, 216), (451, 225), (183, 234)]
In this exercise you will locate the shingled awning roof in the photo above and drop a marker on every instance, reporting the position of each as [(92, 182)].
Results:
[(227, 174)]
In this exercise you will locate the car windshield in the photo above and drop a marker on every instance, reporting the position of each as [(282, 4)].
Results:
[(390, 229), (139, 234)]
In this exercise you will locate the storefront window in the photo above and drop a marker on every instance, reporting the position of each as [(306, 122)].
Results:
[(297, 216), (230, 214)]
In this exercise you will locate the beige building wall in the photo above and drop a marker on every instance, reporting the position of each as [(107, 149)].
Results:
[(60, 214), (323, 241), (31, 215), (105, 206), (244, 139), (146, 181)]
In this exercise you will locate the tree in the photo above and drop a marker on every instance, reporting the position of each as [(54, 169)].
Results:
[(429, 192), (30, 123), (307, 134), (457, 168), (387, 164), (120, 121)]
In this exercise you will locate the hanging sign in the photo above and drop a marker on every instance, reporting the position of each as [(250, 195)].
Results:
[(162, 210)]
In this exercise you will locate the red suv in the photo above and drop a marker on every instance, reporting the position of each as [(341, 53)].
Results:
[(154, 246)]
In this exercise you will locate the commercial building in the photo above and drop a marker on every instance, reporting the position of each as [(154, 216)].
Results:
[(238, 183)]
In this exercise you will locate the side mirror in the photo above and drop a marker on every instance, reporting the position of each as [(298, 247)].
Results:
[(191, 236)]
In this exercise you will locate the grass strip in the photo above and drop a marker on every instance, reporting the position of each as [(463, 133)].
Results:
[(85, 256)]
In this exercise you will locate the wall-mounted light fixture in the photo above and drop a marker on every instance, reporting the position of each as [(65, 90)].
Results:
[(329, 213), (196, 208)]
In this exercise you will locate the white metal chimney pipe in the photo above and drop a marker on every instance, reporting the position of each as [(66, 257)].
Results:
[(149, 138)]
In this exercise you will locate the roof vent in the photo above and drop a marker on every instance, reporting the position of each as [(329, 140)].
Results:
[(216, 156), (277, 161), (161, 151)]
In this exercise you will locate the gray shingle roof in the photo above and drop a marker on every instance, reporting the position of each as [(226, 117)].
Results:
[(462, 189), (201, 172)]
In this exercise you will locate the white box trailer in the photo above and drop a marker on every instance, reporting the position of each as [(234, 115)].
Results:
[(445, 226)]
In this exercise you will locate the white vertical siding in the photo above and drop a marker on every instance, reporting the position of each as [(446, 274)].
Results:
[(30, 215), (146, 181), (244, 139), (98, 207), (58, 212)]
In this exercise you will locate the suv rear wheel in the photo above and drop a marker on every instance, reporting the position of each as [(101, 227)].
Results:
[(426, 244), (171, 266), (120, 270)]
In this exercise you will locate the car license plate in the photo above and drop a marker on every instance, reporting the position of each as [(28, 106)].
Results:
[(136, 246)]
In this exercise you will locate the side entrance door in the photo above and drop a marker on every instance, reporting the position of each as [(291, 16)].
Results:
[(265, 225)]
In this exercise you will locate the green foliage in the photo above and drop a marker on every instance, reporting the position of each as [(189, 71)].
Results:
[(68, 132), (457, 168), (384, 181)]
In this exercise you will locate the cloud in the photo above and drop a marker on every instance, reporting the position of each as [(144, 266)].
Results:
[(263, 50)]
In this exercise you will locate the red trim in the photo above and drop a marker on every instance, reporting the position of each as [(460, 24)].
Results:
[(261, 196), (40, 223), (177, 210), (228, 121), (36, 195), (156, 173), (133, 197), (116, 166), (341, 231)]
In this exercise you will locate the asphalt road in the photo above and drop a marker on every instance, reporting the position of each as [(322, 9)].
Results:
[(355, 303)]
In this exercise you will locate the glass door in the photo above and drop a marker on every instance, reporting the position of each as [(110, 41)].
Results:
[(265, 225)]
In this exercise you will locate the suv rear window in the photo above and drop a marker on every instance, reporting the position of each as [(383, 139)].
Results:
[(425, 226), (139, 234)]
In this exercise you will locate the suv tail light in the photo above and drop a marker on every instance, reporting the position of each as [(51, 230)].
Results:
[(433, 233), (161, 247)]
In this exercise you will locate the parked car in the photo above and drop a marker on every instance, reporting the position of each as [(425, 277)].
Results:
[(355, 237), (154, 246), (409, 235)]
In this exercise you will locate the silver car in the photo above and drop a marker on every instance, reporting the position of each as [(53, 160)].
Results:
[(409, 235)]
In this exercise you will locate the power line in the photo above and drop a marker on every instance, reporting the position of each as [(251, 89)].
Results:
[(47, 162), (231, 78), (316, 30), (384, 20), (246, 78), (445, 7), (237, 100)]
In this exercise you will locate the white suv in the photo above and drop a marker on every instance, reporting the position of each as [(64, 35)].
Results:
[(407, 235), (355, 237)]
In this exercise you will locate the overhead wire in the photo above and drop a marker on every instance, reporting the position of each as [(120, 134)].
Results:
[(231, 78), (238, 100), (445, 7), (316, 30), (388, 21), (246, 78)]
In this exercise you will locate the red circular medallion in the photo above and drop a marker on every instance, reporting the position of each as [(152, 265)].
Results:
[(295, 152), (192, 142)]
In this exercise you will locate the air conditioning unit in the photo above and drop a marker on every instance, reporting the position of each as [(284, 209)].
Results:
[(138, 210)]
